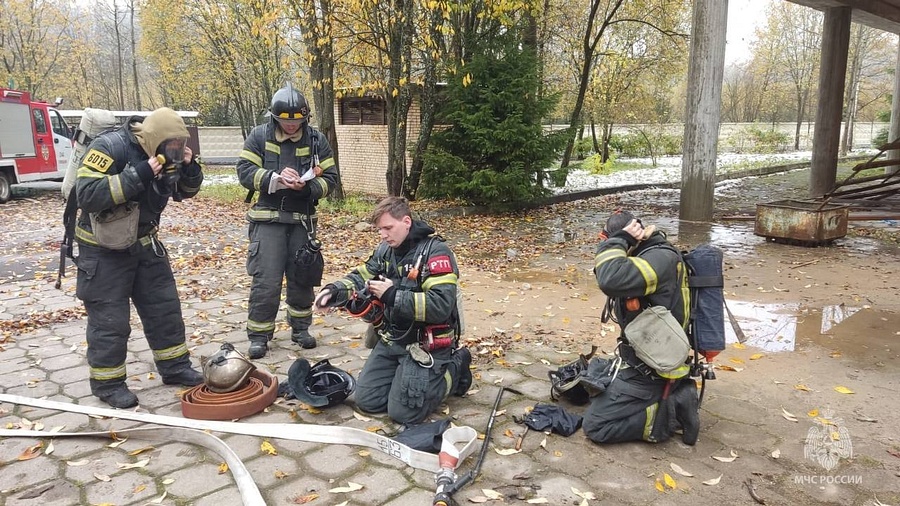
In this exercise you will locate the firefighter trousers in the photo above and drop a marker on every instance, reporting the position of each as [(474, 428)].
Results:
[(391, 380), (107, 281), (626, 411), (270, 258)]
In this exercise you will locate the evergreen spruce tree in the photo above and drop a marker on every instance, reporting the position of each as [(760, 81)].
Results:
[(495, 151)]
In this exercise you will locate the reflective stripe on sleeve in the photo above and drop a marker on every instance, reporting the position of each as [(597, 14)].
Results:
[(647, 272)]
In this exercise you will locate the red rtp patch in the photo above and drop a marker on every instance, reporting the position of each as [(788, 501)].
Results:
[(440, 265)]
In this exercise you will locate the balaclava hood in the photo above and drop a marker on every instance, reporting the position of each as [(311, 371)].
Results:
[(161, 124)]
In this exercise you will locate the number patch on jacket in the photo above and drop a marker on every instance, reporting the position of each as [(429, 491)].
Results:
[(97, 161), (440, 265)]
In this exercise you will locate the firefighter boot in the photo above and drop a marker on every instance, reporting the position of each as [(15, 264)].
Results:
[(303, 338), (114, 392), (258, 348), (186, 377), (462, 359), (687, 411), (300, 320)]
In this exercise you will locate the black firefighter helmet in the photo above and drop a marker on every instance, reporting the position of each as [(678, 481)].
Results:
[(322, 385), (288, 104)]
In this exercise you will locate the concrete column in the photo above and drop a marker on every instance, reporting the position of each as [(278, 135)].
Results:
[(894, 132), (704, 101), (832, 73)]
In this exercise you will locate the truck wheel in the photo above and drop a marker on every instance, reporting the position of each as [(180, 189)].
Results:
[(5, 192)]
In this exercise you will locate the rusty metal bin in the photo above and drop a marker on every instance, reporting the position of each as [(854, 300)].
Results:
[(805, 223)]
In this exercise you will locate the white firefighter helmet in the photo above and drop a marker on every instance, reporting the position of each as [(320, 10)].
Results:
[(227, 370)]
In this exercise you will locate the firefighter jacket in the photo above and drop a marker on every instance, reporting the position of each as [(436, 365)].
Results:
[(115, 171), (263, 156), (415, 301), (653, 273)]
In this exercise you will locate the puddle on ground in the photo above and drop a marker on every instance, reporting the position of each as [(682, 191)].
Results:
[(859, 333)]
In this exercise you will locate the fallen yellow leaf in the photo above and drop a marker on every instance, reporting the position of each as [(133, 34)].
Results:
[(756, 356), (223, 468), (268, 448), (670, 482), (736, 360), (843, 390), (659, 486), (31, 452), (739, 346), (802, 387), (813, 413)]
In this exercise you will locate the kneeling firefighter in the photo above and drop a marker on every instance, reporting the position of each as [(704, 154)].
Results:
[(407, 290), (646, 393), (123, 184)]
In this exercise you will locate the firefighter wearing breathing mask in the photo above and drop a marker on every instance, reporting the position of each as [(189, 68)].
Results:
[(416, 362), (123, 184), (291, 166)]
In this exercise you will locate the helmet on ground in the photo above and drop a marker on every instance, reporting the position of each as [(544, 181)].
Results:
[(566, 380), (366, 306), (288, 104), (227, 370), (322, 385)]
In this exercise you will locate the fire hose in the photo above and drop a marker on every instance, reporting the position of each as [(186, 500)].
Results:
[(446, 479), (458, 442)]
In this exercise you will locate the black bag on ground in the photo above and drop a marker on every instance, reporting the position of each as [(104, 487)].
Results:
[(553, 417), (425, 437)]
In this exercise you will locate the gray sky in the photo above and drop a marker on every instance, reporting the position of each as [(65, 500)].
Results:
[(744, 16)]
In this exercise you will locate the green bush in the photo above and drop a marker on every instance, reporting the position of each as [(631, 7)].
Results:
[(881, 138), (558, 177), (760, 140), (442, 175), (594, 165), (583, 148)]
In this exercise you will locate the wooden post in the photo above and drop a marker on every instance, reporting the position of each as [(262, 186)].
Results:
[(833, 71), (894, 132), (704, 101)]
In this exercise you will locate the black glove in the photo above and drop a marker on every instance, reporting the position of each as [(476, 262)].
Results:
[(144, 171), (388, 296)]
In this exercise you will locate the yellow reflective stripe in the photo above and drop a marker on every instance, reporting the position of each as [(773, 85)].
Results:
[(86, 172), (439, 280), (648, 424), (679, 372), (299, 313), (85, 236), (449, 380), (327, 163), (258, 177), (347, 283), (260, 326), (607, 255), (274, 148), (169, 353), (364, 272), (115, 189), (262, 214), (419, 306), (252, 157), (647, 272), (322, 184), (304, 151), (685, 295), (107, 373)]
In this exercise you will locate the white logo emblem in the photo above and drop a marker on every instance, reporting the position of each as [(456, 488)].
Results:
[(828, 442)]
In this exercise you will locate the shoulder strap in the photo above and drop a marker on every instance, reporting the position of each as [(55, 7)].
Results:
[(65, 246)]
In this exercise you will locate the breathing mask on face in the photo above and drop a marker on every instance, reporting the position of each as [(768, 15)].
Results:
[(173, 151)]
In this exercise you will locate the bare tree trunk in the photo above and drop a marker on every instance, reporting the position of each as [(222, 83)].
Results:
[(120, 76), (397, 95), (134, 59), (428, 105)]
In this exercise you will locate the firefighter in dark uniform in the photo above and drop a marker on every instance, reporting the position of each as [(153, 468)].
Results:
[(291, 165), (412, 277), (638, 268), (137, 167)]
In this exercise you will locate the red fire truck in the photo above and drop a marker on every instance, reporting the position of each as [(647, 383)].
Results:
[(34, 141)]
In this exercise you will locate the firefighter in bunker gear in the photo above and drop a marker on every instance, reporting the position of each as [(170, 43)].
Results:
[(291, 165), (121, 167), (416, 362), (637, 268)]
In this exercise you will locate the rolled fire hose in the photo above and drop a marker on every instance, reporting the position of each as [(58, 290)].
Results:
[(459, 439)]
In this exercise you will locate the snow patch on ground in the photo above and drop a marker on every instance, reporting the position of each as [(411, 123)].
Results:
[(667, 170)]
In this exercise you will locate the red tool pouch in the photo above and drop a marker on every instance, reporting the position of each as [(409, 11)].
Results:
[(437, 337)]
